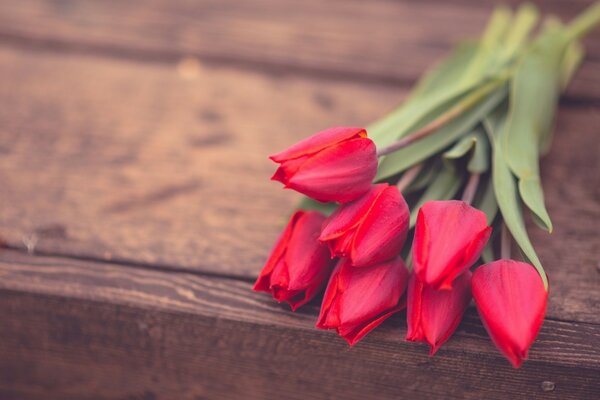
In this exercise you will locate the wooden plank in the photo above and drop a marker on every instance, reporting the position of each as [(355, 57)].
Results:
[(134, 162), (174, 173), (78, 329), (383, 41)]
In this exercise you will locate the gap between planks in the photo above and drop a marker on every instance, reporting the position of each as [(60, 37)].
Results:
[(166, 269)]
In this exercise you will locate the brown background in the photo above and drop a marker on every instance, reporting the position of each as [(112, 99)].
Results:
[(136, 205)]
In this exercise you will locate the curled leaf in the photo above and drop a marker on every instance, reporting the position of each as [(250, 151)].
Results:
[(533, 99), (475, 143), (507, 195)]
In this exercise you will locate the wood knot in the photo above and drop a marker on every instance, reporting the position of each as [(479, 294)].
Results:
[(548, 386)]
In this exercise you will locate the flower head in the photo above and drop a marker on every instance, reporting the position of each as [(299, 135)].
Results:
[(433, 315), (511, 300), (299, 265), (337, 164), (359, 299), (369, 230), (449, 237)]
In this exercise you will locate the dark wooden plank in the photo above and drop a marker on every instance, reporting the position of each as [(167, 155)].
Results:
[(385, 41), (78, 330), (174, 172)]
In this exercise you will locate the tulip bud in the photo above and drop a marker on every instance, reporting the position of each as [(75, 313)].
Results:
[(359, 299), (433, 315), (511, 300), (299, 265), (337, 164), (449, 237), (369, 230)]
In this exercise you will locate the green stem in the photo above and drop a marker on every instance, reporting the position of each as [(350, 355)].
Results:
[(408, 177), (468, 102), (471, 188), (504, 242), (585, 22)]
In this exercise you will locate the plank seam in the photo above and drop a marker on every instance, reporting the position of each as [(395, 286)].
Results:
[(181, 270), (110, 51)]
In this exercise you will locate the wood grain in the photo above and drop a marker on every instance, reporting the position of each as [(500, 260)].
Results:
[(137, 132), (174, 173), (138, 163), (384, 41), (183, 333)]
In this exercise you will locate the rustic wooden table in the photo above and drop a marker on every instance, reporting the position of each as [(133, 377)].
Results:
[(136, 207)]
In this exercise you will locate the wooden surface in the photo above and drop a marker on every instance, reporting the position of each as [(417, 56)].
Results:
[(136, 202)]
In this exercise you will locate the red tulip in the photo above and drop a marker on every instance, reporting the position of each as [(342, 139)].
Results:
[(433, 315), (511, 300), (299, 265), (368, 230), (359, 299), (449, 237), (337, 164)]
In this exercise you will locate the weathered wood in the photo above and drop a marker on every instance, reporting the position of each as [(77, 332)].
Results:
[(189, 336), (174, 173), (138, 163), (114, 147), (382, 41)]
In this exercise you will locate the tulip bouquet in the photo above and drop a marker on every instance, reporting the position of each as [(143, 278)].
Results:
[(405, 216)]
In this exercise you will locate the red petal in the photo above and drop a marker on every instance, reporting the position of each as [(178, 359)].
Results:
[(307, 258), (414, 332), (299, 265), (370, 291), (449, 237), (381, 235), (263, 281), (341, 246), (329, 314), (354, 333), (318, 142), (287, 169), (340, 173), (442, 310), (358, 299), (349, 215), (511, 300)]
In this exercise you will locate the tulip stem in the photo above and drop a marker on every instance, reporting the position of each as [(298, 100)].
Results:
[(408, 177), (423, 132), (504, 242), (470, 188), (465, 104)]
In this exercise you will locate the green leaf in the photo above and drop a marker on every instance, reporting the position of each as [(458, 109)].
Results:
[(425, 147), (585, 22), (309, 204), (449, 71), (443, 187), (487, 255), (487, 49), (424, 178), (486, 199), (480, 160), (502, 41), (533, 99), (570, 63), (507, 196), (461, 148), (435, 88), (437, 92), (476, 142), (525, 20)]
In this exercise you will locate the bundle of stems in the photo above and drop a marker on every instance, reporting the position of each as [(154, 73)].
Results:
[(479, 121)]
